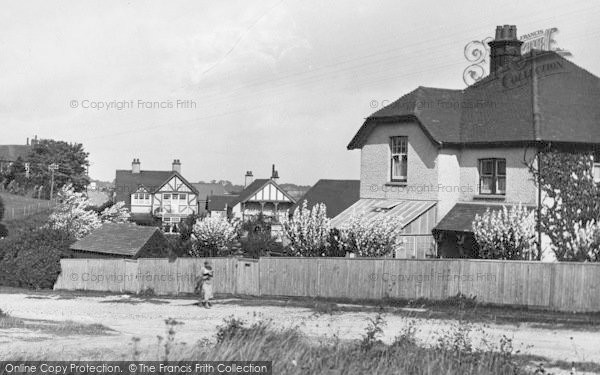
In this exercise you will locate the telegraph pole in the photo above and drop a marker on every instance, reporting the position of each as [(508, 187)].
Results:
[(52, 167)]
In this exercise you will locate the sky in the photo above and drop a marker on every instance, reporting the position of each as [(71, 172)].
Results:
[(231, 86)]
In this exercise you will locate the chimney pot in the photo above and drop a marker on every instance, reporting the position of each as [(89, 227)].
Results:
[(135, 166), (505, 48), (176, 166)]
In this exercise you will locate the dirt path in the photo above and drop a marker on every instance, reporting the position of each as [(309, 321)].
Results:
[(130, 317)]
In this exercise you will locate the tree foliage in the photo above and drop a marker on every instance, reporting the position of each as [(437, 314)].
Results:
[(308, 230), (570, 196), (3, 229), (507, 233), (70, 157)]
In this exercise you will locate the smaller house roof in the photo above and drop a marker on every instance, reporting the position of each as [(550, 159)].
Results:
[(124, 239), (207, 189), (220, 202), (255, 186), (460, 218), (406, 210), (13, 152), (337, 195)]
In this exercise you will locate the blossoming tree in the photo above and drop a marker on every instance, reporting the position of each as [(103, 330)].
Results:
[(73, 216), (372, 237), (213, 236), (308, 230), (508, 233)]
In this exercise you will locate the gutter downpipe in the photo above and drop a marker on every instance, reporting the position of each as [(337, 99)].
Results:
[(536, 130)]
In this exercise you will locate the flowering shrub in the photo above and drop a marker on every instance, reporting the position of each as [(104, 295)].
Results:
[(213, 235), (584, 245), (70, 214), (308, 230), (506, 233), (73, 215), (372, 237), (117, 213)]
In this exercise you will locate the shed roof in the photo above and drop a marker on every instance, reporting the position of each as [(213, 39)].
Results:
[(119, 239)]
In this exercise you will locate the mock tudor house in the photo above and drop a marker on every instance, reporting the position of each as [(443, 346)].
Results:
[(262, 196), (437, 157), (156, 196)]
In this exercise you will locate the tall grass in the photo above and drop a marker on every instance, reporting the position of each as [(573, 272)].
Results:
[(293, 353)]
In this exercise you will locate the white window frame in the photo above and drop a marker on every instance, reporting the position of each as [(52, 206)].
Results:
[(399, 154), (495, 176)]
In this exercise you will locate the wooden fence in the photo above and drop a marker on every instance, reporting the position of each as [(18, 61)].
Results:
[(555, 286)]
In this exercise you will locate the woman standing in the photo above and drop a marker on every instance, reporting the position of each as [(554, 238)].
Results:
[(207, 293)]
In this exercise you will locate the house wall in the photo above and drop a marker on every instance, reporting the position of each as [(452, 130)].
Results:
[(449, 187), (520, 186), (375, 164), (445, 175)]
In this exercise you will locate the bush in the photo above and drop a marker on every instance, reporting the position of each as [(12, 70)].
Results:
[(506, 234), (214, 237), (32, 259), (372, 237)]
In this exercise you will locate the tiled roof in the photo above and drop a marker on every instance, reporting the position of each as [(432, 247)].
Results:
[(255, 186), (337, 195), (13, 152), (127, 183), (219, 202), (460, 217), (119, 239), (206, 189), (560, 103), (406, 210)]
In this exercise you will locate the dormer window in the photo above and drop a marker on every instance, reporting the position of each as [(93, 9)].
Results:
[(492, 176), (399, 158)]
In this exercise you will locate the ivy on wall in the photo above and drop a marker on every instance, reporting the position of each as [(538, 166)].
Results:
[(571, 200)]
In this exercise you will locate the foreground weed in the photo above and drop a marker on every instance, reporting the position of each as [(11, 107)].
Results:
[(373, 332)]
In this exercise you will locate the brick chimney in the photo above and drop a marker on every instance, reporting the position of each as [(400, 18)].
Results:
[(135, 166), (505, 48), (274, 174), (248, 179), (176, 166)]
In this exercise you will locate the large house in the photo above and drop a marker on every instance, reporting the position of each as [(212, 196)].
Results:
[(437, 157), (156, 196)]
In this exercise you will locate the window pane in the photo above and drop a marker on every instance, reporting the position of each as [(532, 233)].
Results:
[(487, 167), (501, 185), (596, 172), (182, 196), (167, 196), (502, 167), (404, 166), (486, 185), (146, 196)]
